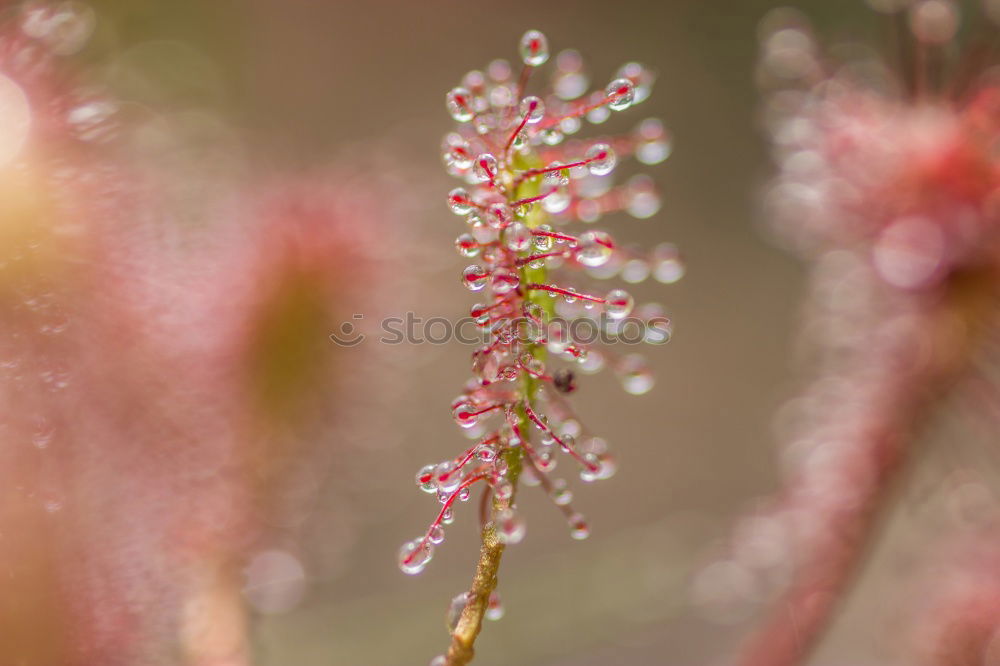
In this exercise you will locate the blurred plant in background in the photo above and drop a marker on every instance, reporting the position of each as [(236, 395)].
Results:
[(172, 401), (889, 187), (509, 148), (958, 621), (186, 451)]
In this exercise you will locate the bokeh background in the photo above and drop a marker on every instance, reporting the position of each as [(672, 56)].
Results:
[(272, 86)]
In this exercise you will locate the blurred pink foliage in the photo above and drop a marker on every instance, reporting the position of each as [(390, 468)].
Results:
[(958, 620), (171, 392), (888, 185)]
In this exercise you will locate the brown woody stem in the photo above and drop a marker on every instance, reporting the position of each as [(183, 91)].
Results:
[(470, 622)]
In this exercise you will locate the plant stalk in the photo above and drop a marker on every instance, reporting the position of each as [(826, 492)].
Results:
[(470, 622), (956, 325)]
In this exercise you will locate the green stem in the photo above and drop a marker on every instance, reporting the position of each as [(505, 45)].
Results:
[(470, 622)]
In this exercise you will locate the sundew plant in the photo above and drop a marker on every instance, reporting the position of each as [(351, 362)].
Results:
[(886, 185), (528, 187)]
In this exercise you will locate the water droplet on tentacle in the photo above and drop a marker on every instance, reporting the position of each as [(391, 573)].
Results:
[(578, 527), (494, 609), (620, 94), (534, 48), (601, 159), (533, 109), (594, 248), (459, 103), (425, 479), (415, 555), (510, 526), (474, 277), (618, 303)]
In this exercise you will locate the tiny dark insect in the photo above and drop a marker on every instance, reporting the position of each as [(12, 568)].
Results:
[(565, 381)]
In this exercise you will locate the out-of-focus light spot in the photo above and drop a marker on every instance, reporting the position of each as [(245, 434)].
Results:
[(970, 503), (212, 628), (787, 46), (641, 199), (780, 18), (91, 119), (909, 252), (15, 120), (668, 267), (761, 542), (789, 54), (65, 28), (276, 582), (725, 592), (803, 163), (934, 21)]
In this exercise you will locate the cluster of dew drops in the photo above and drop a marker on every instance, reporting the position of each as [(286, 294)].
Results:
[(524, 180)]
